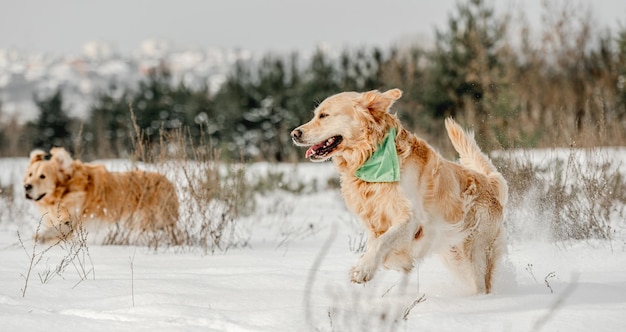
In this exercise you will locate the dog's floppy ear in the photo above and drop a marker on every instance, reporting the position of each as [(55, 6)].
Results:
[(376, 101), (37, 155), (63, 159)]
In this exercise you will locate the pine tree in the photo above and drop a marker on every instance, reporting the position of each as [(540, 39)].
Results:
[(468, 66), (320, 79), (621, 68), (52, 126), (159, 107), (109, 128)]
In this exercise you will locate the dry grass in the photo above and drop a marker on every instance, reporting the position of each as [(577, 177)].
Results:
[(72, 250), (577, 195), (212, 194)]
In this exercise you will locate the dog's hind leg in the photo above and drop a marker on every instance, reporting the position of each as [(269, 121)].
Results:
[(475, 262), (496, 250), (468, 265)]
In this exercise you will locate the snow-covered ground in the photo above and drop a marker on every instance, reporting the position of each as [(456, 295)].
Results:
[(293, 276)]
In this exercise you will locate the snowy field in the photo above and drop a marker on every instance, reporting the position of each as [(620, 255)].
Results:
[(292, 275)]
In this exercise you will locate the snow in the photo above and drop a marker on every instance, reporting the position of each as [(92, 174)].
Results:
[(293, 276)]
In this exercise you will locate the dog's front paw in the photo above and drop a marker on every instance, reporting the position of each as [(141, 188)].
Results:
[(362, 273), (46, 238), (50, 236)]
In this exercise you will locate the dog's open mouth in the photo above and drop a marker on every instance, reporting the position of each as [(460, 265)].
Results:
[(36, 199), (321, 150)]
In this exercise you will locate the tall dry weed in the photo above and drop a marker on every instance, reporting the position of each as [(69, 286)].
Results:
[(576, 194)]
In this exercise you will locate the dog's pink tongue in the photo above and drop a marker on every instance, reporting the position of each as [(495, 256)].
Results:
[(310, 152), (313, 150)]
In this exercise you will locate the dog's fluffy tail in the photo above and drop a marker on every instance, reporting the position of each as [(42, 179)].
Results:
[(473, 158)]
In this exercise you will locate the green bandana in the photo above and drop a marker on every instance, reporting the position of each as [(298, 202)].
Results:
[(383, 165)]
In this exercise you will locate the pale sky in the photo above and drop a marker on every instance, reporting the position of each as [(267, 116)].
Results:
[(64, 26)]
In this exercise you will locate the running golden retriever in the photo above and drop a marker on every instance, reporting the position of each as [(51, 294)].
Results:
[(70, 193), (433, 206)]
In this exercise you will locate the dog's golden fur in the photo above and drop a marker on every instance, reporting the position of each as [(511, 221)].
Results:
[(438, 206), (69, 192)]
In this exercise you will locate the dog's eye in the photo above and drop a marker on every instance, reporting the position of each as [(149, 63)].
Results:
[(42, 176), (323, 115)]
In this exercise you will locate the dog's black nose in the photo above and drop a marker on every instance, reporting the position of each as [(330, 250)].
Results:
[(296, 134), (28, 187)]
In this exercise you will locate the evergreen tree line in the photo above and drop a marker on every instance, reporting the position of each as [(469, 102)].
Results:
[(565, 87)]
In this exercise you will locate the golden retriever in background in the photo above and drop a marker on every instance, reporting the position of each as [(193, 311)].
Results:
[(437, 206), (70, 192)]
